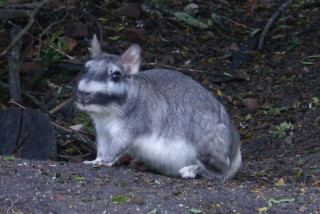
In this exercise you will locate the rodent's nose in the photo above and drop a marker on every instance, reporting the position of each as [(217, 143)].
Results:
[(83, 97)]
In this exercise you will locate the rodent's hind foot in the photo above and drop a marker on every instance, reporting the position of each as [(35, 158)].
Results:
[(98, 162), (188, 171)]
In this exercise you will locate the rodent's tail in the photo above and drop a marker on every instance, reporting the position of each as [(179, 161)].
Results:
[(235, 164)]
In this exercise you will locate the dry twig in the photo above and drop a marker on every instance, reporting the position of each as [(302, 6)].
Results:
[(27, 27), (60, 106), (32, 98), (270, 22), (219, 74), (181, 69)]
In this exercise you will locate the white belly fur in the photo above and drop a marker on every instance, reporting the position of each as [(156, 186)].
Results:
[(163, 155)]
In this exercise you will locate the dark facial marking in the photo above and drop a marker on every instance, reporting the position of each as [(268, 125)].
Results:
[(105, 99)]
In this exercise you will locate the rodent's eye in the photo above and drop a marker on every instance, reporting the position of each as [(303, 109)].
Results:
[(115, 76)]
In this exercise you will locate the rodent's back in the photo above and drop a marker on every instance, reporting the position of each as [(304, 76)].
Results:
[(179, 90), (178, 98)]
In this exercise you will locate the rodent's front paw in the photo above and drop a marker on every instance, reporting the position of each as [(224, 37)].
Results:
[(98, 162)]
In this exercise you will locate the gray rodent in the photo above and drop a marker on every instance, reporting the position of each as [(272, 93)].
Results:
[(161, 117)]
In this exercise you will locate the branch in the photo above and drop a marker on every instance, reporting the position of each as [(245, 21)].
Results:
[(14, 67), (229, 77), (270, 22), (32, 98), (60, 106), (12, 14), (27, 27), (181, 69)]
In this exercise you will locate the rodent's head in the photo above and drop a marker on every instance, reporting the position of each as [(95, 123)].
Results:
[(106, 79)]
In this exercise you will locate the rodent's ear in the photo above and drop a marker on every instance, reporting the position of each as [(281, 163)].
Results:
[(95, 47), (131, 59)]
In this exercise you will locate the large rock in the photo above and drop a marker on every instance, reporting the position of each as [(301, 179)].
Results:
[(26, 133)]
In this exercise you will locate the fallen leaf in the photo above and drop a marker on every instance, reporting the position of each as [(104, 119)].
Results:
[(219, 93), (113, 37), (248, 117), (153, 211), (280, 182), (261, 195), (274, 201), (262, 209), (299, 173), (278, 36), (79, 178), (9, 159), (193, 210), (234, 47), (307, 63), (17, 212), (69, 44), (257, 189), (59, 197), (121, 199), (249, 135)]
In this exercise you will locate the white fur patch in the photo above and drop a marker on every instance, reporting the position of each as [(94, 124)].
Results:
[(113, 68), (92, 86), (94, 108), (100, 66), (164, 155), (107, 128), (108, 125), (97, 65)]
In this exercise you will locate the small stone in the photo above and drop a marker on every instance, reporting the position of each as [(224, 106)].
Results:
[(191, 9), (76, 30), (250, 103), (132, 34), (30, 67), (131, 10), (305, 69)]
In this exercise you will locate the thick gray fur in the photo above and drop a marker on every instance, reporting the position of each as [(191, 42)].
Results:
[(161, 117)]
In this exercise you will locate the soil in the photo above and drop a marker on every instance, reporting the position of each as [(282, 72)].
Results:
[(271, 94)]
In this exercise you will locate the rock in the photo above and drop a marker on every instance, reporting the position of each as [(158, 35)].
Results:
[(191, 9), (30, 67), (26, 133), (250, 103), (132, 34), (76, 30), (131, 10)]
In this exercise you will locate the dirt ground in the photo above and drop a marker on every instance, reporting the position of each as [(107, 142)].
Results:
[(29, 186), (272, 95)]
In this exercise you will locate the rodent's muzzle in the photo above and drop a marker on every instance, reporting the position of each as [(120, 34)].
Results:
[(83, 97)]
